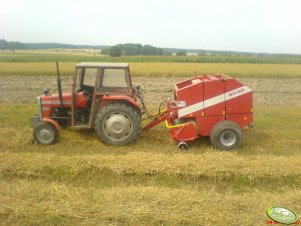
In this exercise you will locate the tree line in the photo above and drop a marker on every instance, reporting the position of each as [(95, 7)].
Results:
[(11, 45), (4, 44), (135, 49), (128, 49), (131, 49)]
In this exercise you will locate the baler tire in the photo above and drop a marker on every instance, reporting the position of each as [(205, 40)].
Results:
[(223, 129), (45, 133), (183, 146), (126, 111)]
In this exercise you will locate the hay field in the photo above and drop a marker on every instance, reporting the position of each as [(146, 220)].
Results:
[(163, 69), (80, 181)]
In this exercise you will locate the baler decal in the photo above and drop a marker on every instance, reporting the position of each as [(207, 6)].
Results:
[(214, 100)]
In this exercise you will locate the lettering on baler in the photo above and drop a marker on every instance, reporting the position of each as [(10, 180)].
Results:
[(235, 92)]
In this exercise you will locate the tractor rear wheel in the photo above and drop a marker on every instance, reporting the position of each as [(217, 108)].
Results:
[(45, 133), (118, 124), (226, 135)]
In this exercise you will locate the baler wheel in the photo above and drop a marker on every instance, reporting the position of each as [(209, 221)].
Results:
[(118, 124), (226, 135), (45, 133), (183, 146)]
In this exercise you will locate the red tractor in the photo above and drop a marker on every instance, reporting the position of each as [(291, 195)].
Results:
[(104, 98)]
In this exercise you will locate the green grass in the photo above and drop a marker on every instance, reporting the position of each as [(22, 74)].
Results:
[(81, 181), (76, 56)]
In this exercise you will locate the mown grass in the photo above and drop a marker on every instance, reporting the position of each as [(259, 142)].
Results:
[(80, 181), (61, 204), (53, 203), (276, 132), (148, 69)]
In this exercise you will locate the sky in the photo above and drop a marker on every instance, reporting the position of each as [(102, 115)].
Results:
[(272, 26)]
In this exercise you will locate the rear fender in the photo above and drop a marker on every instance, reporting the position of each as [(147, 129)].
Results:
[(53, 122), (109, 99)]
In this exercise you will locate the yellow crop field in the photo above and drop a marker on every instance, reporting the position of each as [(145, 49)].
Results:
[(160, 69)]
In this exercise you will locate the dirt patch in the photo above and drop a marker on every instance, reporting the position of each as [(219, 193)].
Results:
[(25, 89)]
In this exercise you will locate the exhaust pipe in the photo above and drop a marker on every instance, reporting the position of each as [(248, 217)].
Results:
[(59, 84)]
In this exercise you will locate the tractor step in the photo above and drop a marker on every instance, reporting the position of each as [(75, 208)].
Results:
[(81, 125)]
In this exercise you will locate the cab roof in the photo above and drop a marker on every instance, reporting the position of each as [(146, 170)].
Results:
[(104, 65)]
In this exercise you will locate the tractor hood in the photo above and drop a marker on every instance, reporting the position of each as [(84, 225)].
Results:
[(54, 100)]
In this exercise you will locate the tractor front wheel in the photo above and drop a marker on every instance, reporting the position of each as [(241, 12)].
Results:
[(45, 133), (118, 124), (226, 135)]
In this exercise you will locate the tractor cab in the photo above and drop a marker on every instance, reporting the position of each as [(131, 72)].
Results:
[(92, 81)]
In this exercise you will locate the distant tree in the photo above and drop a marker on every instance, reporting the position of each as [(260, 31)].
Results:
[(151, 50), (159, 51), (105, 51), (148, 50), (16, 45), (115, 52), (4, 44), (181, 53), (132, 49)]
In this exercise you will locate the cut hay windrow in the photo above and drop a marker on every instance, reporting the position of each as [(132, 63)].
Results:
[(34, 202), (219, 164), (15, 137)]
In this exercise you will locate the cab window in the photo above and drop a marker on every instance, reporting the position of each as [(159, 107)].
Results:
[(85, 79), (90, 76), (114, 78)]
